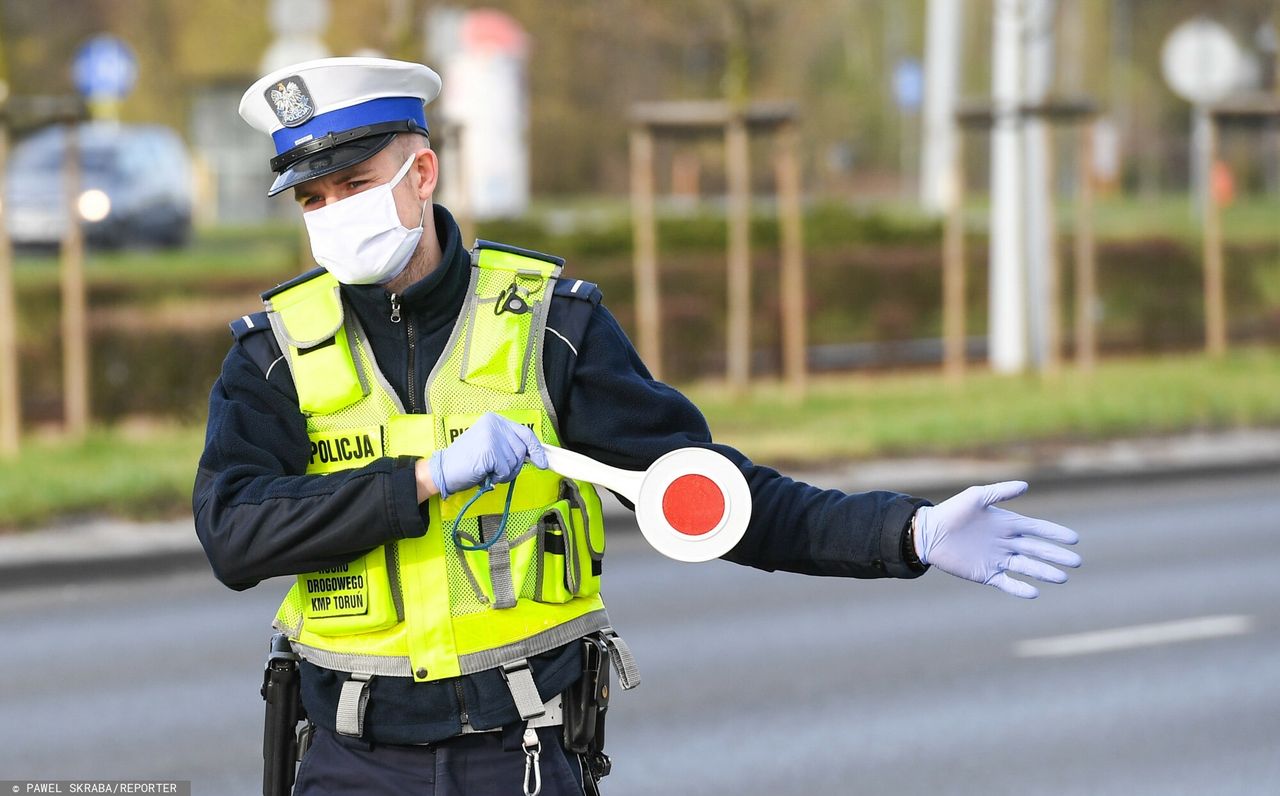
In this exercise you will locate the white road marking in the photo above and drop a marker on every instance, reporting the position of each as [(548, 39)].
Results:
[(1121, 638)]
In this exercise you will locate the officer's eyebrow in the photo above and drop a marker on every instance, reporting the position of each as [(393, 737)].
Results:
[(358, 171), (300, 195)]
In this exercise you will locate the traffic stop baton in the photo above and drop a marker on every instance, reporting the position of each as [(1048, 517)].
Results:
[(692, 504)]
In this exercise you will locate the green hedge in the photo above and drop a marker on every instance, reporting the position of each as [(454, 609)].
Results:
[(872, 275)]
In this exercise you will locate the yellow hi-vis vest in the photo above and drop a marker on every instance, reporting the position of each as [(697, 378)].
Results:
[(424, 607)]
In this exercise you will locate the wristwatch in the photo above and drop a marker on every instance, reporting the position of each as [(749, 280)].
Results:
[(909, 545)]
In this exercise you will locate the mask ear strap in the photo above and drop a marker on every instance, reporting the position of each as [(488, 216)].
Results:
[(404, 170), (400, 175)]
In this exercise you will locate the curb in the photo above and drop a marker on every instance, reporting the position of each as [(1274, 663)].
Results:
[(1056, 480), (104, 550), (98, 550), (1137, 461), (94, 569)]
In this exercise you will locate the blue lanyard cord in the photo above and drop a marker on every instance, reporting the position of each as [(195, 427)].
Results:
[(487, 486)]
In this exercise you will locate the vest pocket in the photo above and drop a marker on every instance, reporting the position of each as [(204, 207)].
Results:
[(586, 540), (474, 568), (550, 576), (349, 598), (525, 552), (585, 564), (566, 561), (497, 347)]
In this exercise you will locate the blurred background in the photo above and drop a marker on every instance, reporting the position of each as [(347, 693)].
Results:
[(901, 244)]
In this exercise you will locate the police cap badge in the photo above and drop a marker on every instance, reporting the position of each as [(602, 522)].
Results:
[(291, 101)]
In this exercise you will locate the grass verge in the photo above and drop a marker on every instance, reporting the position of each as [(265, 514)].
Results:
[(139, 473), (851, 417), (136, 473)]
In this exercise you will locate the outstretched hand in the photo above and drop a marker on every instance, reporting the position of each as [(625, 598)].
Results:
[(969, 537)]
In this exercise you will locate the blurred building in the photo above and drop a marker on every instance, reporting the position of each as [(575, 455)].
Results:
[(232, 157)]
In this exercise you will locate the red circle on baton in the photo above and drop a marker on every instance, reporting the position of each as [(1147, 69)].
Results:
[(693, 504)]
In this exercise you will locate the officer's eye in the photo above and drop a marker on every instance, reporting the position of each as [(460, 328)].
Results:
[(309, 201), (354, 184)]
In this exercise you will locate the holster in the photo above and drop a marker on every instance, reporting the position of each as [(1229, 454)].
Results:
[(585, 704), (282, 744)]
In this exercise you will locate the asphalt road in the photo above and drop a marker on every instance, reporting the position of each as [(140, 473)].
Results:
[(760, 683)]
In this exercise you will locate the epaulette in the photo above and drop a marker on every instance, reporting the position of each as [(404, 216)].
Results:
[(569, 319), (262, 349), (248, 324), (579, 289), (297, 280)]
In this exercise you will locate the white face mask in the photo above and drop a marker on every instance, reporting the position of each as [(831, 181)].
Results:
[(360, 239)]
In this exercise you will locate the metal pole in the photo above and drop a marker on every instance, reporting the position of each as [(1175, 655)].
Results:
[(1086, 257), (645, 262), (791, 280), (942, 75), (10, 395), (1202, 157), (953, 305), (1052, 352), (75, 342), (1037, 183), (1215, 314), (1007, 330), (739, 270)]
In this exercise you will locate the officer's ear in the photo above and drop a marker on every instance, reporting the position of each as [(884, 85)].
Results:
[(427, 168)]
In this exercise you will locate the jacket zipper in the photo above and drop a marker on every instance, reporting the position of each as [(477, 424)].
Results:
[(413, 367), (462, 702), (411, 334)]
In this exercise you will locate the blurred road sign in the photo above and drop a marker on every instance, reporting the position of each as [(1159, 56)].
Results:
[(104, 68), (908, 84), (1201, 61)]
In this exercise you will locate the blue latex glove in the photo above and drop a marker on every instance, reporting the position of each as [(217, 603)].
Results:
[(493, 447), (967, 536)]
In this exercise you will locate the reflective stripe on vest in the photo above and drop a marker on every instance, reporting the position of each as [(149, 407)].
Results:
[(422, 607)]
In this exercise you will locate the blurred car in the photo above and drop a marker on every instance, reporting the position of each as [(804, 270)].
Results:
[(135, 186)]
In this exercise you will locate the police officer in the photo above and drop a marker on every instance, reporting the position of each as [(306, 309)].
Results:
[(377, 432)]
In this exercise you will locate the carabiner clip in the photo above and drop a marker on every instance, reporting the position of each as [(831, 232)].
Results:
[(532, 751)]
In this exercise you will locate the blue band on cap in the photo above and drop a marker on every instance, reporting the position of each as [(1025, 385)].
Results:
[(382, 109)]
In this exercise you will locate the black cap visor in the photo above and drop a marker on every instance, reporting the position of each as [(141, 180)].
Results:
[(328, 161)]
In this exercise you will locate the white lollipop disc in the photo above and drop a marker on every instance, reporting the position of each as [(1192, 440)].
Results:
[(694, 505)]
